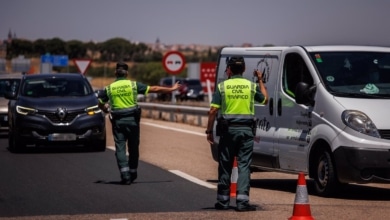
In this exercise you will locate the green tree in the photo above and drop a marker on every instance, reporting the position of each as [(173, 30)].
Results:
[(76, 49), (93, 48), (39, 47), (116, 49), (150, 72), (19, 47), (139, 52), (56, 46)]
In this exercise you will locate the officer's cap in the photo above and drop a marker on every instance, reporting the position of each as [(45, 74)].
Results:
[(236, 61), (122, 66)]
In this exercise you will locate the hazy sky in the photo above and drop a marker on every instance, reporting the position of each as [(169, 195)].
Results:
[(209, 22)]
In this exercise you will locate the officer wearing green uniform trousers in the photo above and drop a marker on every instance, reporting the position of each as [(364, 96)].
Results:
[(235, 98), (125, 115)]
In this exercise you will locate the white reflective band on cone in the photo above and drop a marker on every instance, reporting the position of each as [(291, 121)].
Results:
[(301, 195)]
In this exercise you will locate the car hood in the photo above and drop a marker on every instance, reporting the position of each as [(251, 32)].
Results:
[(376, 109), (52, 103)]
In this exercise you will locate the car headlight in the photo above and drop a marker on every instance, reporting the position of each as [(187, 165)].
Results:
[(360, 122), (93, 110), (25, 111)]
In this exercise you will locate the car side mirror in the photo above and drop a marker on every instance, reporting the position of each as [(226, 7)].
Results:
[(99, 93), (304, 94), (10, 95)]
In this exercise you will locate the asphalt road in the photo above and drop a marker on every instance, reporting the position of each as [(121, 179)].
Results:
[(74, 184)]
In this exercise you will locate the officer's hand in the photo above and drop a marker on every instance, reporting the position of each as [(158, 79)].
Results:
[(259, 74), (104, 107), (176, 86), (210, 138)]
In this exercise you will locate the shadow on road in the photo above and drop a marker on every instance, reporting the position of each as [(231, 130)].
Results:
[(54, 149), (346, 191), (119, 183)]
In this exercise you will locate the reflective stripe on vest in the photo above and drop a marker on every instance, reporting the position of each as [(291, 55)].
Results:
[(237, 98), (122, 95)]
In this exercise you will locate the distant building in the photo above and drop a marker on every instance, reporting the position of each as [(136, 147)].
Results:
[(4, 43), (3, 50)]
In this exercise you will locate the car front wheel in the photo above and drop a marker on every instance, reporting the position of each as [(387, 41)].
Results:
[(15, 143)]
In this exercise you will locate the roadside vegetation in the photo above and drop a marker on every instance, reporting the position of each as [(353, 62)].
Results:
[(144, 62)]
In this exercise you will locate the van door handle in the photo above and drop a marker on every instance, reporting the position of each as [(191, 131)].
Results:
[(271, 106), (279, 107)]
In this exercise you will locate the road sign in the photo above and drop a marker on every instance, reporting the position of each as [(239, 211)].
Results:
[(60, 60), (55, 60), (47, 58), (208, 73), (173, 62), (82, 64)]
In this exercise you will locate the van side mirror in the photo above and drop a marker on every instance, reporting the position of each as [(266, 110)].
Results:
[(304, 94)]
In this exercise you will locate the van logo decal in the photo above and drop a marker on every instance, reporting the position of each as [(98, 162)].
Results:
[(265, 66)]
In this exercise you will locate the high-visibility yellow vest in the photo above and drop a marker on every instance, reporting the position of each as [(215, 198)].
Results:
[(237, 98), (122, 94)]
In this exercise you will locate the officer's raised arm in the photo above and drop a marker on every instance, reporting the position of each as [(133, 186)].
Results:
[(262, 87), (162, 89)]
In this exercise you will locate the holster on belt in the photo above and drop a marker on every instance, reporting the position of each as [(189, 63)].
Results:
[(254, 126), (137, 115), (222, 126)]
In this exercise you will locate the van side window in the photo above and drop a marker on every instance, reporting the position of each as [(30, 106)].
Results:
[(294, 71)]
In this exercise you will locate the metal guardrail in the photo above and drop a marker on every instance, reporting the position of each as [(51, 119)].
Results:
[(176, 113)]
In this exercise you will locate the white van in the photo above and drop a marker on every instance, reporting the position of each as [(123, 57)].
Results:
[(328, 113)]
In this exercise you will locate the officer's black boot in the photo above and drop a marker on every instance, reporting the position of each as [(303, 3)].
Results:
[(125, 176), (133, 176)]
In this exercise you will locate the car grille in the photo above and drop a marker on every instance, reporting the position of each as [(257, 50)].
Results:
[(385, 134), (54, 118)]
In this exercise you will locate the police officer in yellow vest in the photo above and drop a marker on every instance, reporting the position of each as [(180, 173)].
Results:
[(235, 98), (125, 116)]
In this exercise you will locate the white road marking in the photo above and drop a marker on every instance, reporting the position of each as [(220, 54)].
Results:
[(183, 175), (193, 179), (178, 172), (174, 129)]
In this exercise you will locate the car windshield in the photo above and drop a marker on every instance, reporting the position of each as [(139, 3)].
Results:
[(8, 85), (193, 83), (55, 87), (355, 74), (168, 81)]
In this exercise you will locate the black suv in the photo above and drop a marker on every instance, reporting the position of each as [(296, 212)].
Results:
[(55, 109), (191, 89), (167, 82)]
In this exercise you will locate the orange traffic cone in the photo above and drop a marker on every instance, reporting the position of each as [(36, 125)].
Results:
[(301, 203), (233, 179)]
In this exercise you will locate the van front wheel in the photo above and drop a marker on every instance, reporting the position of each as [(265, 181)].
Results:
[(325, 178)]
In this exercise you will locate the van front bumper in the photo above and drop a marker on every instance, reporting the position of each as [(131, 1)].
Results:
[(362, 165)]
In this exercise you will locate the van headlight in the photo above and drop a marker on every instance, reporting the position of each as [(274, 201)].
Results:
[(360, 122)]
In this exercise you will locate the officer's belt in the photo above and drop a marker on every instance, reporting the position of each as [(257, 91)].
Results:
[(240, 124), (124, 112)]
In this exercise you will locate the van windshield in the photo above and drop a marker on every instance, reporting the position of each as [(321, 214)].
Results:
[(354, 74)]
